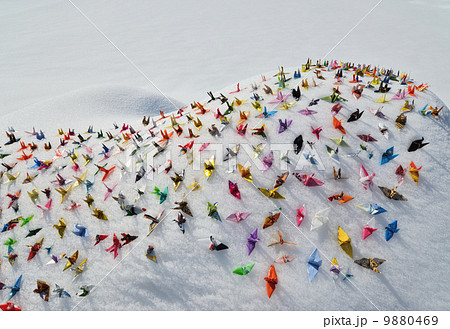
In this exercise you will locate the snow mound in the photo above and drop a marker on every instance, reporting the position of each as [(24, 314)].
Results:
[(102, 104), (190, 276)]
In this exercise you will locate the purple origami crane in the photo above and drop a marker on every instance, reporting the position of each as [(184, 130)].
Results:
[(251, 241), (284, 125), (267, 161)]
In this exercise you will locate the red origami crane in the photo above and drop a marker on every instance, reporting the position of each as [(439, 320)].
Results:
[(115, 247)]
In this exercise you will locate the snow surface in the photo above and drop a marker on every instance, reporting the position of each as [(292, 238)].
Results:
[(50, 49), (191, 277)]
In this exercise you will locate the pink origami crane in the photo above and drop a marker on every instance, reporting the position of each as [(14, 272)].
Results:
[(300, 215), (46, 207), (308, 180), (284, 259), (366, 179), (238, 216), (234, 190), (307, 112), (204, 146), (368, 231), (237, 90), (316, 131), (109, 190), (280, 98), (268, 161), (400, 94)]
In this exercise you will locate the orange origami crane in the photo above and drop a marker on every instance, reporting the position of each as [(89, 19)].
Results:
[(166, 136), (338, 125), (414, 172), (272, 281), (341, 197)]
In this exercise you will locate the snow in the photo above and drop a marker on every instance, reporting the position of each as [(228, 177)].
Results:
[(60, 73), (189, 277), (51, 49), (107, 103)]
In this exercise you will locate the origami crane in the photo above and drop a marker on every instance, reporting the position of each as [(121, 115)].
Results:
[(35, 248), (209, 167), (279, 240), (212, 211), (414, 172), (300, 215), (80, 230), (345, 242), (267, 161), (213, 244), (284, 259), (281, 179), (252, 240), (243, 270), (71, 260), (365, 178), (272, 194), (308, 180), (371, 208), (388, 155), (14, 289), (390, 230), (320, 218), (313, 264), (368, 231), (284, 125), (271, 281), (341, 197), (43, 289), (271, 219), (355, 116), (370, 263), (417, 144), (115, 246), (392, 193)]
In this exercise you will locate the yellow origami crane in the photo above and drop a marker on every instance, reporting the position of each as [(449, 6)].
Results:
[(80, 268), (245, 173), (80, 180), (61, 227), (382, 99), (209, 167), (243, 116), (34, 194), (273, 194), (195, 186), (99, 214), (198, 124), (64, 193), (345, 242), (11, 178), (414, 172), (71, 260), (257, 106)]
